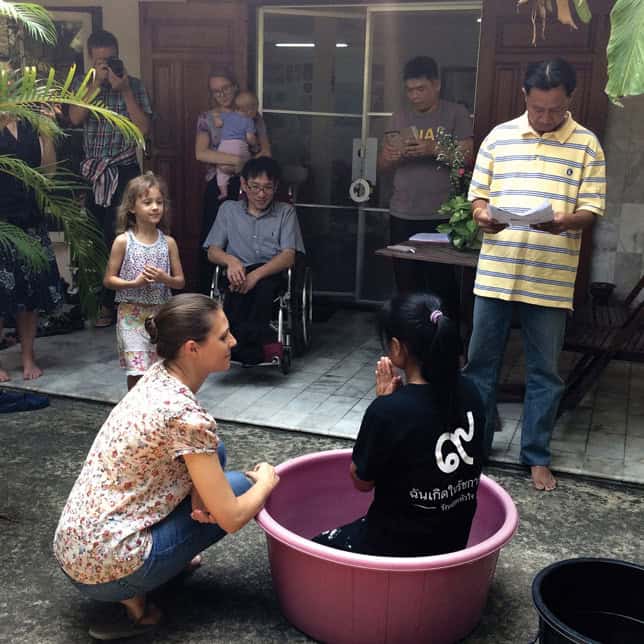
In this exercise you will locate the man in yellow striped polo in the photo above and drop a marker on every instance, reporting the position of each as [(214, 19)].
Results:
[(542, 155)]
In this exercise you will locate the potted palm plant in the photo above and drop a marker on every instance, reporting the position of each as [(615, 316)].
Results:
[(24, 96)]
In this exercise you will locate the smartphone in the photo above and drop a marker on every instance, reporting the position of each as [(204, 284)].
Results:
[(398, 138), (116, 65), (394, 140), (409, 133)]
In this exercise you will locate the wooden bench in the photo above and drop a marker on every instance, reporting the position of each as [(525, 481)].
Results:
[(604, 331)]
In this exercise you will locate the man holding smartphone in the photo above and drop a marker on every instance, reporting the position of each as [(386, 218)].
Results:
[(109, 159), (421, 184)]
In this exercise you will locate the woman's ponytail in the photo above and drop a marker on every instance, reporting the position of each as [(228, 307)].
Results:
[(183, 317)]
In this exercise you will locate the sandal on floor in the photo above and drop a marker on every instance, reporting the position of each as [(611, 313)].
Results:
[(120, 630), (9, 340), (105, 318)]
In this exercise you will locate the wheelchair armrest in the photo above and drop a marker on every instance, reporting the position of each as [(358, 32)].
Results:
[(220, 272), (217, 275)]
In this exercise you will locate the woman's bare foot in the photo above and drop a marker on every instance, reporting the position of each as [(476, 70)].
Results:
[(152, 614), (142, 612), (4, 376), (30, 370), (542, 478), (195, 563)]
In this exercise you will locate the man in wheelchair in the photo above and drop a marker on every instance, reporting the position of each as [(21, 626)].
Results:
[(256, 239)]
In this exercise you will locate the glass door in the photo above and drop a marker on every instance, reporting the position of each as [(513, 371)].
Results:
[(310, 82), (449, 33), (329, 79)]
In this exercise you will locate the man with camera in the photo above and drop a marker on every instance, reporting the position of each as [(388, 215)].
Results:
[(109, 159)]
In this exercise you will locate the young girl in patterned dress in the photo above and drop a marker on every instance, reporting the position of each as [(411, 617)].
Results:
[(143, 266)]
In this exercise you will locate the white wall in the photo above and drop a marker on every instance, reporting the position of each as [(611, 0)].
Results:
[(618, 238)]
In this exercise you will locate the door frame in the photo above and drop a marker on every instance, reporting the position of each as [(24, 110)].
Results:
[(371, 9)]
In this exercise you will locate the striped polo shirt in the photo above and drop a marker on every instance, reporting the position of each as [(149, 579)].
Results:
[(516, 169)]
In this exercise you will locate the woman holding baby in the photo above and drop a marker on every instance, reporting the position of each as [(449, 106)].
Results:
[(228, 134)]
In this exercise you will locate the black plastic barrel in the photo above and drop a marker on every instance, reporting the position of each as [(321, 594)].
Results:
[(590, 601)]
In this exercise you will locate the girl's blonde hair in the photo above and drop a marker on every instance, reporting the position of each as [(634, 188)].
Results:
[(125, 218)]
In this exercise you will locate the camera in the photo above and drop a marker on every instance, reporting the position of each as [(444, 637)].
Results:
[(116, 65)]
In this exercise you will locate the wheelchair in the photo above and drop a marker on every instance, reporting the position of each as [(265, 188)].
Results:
[(292, 307)]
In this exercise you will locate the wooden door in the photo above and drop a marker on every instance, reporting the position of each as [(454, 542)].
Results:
[(180, 44), (505, 52)]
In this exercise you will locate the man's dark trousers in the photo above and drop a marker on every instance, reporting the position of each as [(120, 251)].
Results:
[(249, 316)]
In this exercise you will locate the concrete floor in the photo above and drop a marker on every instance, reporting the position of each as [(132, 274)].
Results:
[(328, 390), (230, 599)]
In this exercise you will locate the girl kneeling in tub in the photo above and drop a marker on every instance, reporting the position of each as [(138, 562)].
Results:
[(153, 493), (420, 444)]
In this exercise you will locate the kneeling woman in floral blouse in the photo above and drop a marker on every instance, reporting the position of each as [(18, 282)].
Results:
[(153, 493)]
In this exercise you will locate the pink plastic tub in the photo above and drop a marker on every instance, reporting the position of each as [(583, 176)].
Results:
[(337, 596)]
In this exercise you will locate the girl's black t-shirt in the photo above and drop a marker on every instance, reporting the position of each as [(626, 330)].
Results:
[(426, 475)]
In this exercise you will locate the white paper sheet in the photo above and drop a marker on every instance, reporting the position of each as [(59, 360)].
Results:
[(430, 238), (537, 215)]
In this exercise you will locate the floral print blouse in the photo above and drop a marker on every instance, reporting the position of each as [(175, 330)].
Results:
[(133, 478)]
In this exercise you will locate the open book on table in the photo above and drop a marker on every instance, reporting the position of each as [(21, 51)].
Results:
[(540, 214)]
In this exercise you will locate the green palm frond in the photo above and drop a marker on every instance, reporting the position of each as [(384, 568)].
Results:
[(15, 237), (42, 124), (86, 246), (32, 17), (56, 199), (23, 95), (32, 178)]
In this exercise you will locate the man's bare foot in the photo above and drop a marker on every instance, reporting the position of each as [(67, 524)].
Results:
[(30, 370), (4, 376), (542, 478)]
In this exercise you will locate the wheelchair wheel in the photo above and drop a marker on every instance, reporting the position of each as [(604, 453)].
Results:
[(285, 362), (302, 315)]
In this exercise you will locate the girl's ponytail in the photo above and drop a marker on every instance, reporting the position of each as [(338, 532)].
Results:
[(441, 368), (433, 339)]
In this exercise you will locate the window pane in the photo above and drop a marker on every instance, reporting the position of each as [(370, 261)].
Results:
[(315, 153), (377, 273), (451, 38), (384, 182), (324, 73), (330, 240)]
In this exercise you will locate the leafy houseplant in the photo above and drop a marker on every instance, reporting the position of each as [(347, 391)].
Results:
[(461, 228), (23, 96)]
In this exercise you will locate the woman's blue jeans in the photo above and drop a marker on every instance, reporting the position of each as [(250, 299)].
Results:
[(542, 330), (175, 541)]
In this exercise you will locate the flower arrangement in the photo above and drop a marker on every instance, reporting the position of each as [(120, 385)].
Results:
[(461, 228), (449, 153)]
